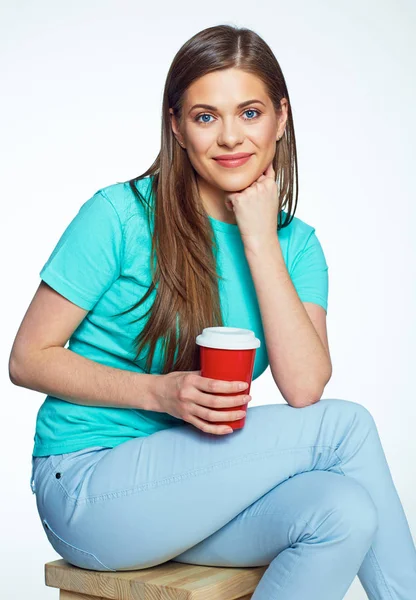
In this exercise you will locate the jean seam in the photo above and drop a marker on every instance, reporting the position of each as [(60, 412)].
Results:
[(179, 477), (299, 556), (72, 546), (372, 553), (378, 570)]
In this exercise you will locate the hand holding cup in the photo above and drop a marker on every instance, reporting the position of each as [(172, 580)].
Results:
[(188, 396), (228, 354)]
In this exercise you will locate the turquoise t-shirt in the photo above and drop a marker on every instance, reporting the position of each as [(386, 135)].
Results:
[(101, 263)]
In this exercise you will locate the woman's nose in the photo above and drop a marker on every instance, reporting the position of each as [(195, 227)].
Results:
[(231, 132)]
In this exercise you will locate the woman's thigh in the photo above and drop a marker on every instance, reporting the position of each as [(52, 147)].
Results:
[(150, 499), (287, 516)]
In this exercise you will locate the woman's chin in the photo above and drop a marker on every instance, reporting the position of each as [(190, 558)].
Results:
[(236, 182)]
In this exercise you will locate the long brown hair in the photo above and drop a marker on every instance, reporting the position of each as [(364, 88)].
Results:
[(187, 296)]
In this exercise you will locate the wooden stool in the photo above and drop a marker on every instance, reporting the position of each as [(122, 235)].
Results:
[(170, 581)]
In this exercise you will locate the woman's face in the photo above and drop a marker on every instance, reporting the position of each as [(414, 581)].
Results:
[(227, 128)]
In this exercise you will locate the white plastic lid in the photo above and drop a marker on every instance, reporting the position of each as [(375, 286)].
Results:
[(228, 338)]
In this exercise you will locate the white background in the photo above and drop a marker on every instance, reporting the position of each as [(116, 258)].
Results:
[(81, 98)]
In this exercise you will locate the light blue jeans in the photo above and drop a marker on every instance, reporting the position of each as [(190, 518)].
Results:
[(307, 491)]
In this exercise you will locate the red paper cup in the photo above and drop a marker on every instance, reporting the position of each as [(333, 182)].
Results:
[(228, 353)]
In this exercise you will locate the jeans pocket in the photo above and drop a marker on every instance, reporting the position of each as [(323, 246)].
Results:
[(72, 470), (75, 556), (40, 463)]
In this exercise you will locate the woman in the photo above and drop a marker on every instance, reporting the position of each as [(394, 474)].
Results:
[(131, 464)]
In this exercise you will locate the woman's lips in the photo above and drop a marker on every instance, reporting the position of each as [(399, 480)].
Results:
[(233, 163)]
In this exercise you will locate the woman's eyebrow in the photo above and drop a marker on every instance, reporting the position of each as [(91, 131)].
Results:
[(210, 107)]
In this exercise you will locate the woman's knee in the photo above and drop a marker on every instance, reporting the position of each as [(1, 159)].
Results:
[(351, 410), (348, 508)]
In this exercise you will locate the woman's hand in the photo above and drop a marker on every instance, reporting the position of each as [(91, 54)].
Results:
[(256, 208), (188, 396)]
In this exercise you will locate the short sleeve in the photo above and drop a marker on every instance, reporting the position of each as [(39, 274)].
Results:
[(87, 258), (309, 273)]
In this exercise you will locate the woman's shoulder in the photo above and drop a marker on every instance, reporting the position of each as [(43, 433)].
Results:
[(125, 201), (296, 232)]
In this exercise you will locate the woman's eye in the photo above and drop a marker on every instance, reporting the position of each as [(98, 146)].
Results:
[(249, 110)]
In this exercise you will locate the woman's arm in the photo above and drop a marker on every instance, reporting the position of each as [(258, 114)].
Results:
[(299, 362), (39, 360)]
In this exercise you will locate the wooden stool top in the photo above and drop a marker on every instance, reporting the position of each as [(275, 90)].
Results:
[(170, 581)]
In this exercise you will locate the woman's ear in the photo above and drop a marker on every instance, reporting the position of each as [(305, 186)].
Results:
[(282, 119), (175, 128)]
